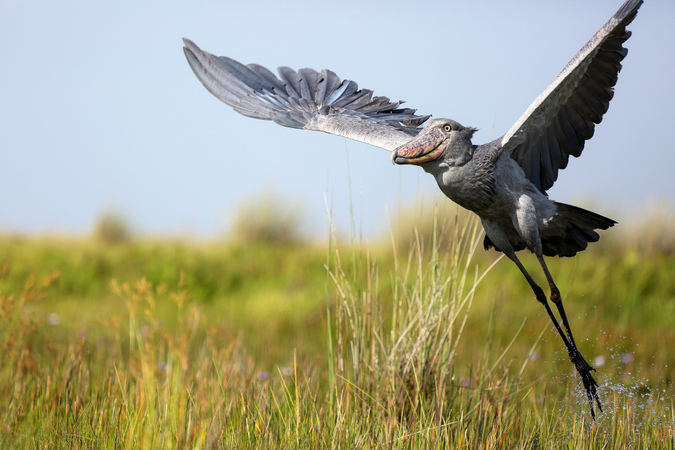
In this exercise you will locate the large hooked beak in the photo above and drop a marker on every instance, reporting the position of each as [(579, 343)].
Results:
[(424, 148)]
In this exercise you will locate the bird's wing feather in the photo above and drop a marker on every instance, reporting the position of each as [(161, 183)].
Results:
[(305, 99), (563, 117)]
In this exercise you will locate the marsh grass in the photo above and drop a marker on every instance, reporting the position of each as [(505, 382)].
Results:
[(397, 348), (415, 350)]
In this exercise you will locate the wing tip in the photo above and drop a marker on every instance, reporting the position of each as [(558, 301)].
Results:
[(189, 45)]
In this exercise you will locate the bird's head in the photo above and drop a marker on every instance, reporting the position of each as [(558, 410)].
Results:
[(442, 140)]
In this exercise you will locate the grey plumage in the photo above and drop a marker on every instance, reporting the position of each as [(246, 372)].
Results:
[(305, 99), (578, 226), (504, 181), (564, 116)]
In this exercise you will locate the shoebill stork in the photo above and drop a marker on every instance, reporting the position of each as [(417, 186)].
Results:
[(504, 181)]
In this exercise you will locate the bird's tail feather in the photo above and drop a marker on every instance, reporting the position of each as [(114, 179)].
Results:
[(581, 224)]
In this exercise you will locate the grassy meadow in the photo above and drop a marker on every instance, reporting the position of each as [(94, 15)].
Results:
[(420, 340)]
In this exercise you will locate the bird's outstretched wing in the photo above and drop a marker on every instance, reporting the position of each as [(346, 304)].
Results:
[(563, 117), (305, 99)]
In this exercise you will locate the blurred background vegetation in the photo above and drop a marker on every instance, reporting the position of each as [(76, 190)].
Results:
[(280, 301), (265, 283)]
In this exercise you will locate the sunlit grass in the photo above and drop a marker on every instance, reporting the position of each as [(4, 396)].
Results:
[(170, 344)]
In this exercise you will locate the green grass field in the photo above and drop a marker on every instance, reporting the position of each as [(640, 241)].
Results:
[(420, 341)]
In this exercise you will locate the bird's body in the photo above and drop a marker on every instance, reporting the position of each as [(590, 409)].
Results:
[(504, 181), (487, 181)]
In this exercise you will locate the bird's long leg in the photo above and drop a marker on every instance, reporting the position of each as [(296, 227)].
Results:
[(541, 297), (580, 363), (501, 241), (556, 298)]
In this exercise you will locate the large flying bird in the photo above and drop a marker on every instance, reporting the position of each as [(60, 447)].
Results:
[(504, 181)]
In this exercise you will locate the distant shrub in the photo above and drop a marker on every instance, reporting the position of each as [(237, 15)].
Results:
[(112, 228), (269, 219), (650, 232)]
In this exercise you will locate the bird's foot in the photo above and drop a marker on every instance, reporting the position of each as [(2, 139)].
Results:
[(589, 382)]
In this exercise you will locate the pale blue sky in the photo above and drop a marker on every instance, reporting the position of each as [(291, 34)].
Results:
[(99, 109)]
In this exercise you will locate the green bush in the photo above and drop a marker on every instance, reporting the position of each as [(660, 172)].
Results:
[(268, 219), (112, 228)]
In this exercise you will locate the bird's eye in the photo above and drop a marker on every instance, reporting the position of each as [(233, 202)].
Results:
[(447, 128)]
